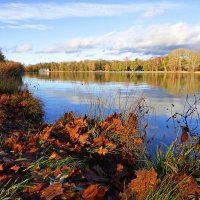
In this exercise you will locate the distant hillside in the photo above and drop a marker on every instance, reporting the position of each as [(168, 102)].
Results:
[(176, 60)]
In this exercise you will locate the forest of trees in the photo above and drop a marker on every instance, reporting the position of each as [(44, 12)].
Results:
[(176, 60)]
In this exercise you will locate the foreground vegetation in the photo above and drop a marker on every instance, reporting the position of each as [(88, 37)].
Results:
[(177, 60), (10, 75), (81, 158), (85, 158)]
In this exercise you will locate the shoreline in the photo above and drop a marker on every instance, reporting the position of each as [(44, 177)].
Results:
[(131, 72)]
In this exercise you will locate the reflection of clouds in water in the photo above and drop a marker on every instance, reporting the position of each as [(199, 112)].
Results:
[(76, 93), (79, 93), (77, 96)]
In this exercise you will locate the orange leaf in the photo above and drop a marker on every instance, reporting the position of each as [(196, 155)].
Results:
[(101, 193), (1, 167), (90, 192), (46, 133), (17, 148), (54, 156), (52, 191), (138, 141), (9, 142), (15, 168), (119, 168), (188, 187), (34, 188), (145, 180), (102, 151), (99, 141), (73, 132), (83, 139)]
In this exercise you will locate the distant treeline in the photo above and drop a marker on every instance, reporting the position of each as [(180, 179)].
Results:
[(177, 60)]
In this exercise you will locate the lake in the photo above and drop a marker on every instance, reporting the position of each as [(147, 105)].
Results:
[(101, 93)]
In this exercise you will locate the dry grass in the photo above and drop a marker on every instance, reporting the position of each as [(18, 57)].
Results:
[(11, 69)]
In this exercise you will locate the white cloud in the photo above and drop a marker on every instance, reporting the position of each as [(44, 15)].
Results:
[(39, 27), (24, 11), (22, 48), (154, 39)]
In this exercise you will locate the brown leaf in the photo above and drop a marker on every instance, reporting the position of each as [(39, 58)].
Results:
[(15, 168), (46, 133), (188, 187), (185, 135), (17, 148), (5, 178), (102, 151), (34, 188), (73, 132), (9, 142), (145, 180), (138, 141), (83, 139), (52, 191), (119, 168), (54, 156), (77, 148), (100, 141), (90, 192), (101, 193)]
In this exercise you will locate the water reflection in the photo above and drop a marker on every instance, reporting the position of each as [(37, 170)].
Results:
[(176, 84), (63, 92)]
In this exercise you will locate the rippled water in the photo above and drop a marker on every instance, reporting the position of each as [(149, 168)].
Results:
[(69, 91)]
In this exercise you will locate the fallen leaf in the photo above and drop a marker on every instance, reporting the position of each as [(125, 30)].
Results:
[(73, 132), (52, 191), (188, 187), (99, 141), (90, 192), (54, 156), (145, 180), (46, 133), (102, 151), (119, 168), (17, 148), (101, 193), (34, 188), (1, 167), (83, 139), (15, 168)]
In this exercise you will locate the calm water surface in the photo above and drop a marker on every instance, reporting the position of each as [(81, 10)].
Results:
[(78, 92)]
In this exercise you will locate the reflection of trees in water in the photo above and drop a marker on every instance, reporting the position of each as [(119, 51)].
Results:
[(177, 84)]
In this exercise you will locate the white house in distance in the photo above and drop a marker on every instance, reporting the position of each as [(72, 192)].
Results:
[(44, 71)]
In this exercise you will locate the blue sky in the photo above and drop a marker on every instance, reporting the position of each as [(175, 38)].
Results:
[(43, 31)]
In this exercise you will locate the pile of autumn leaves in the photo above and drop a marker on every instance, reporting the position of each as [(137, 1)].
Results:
[(76, 158)]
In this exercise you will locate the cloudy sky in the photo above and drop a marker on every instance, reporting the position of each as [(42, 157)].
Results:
[(34, 31)]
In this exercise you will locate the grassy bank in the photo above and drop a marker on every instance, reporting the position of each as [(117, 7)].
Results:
[(83, 158), (10, 76), (11, 69)]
